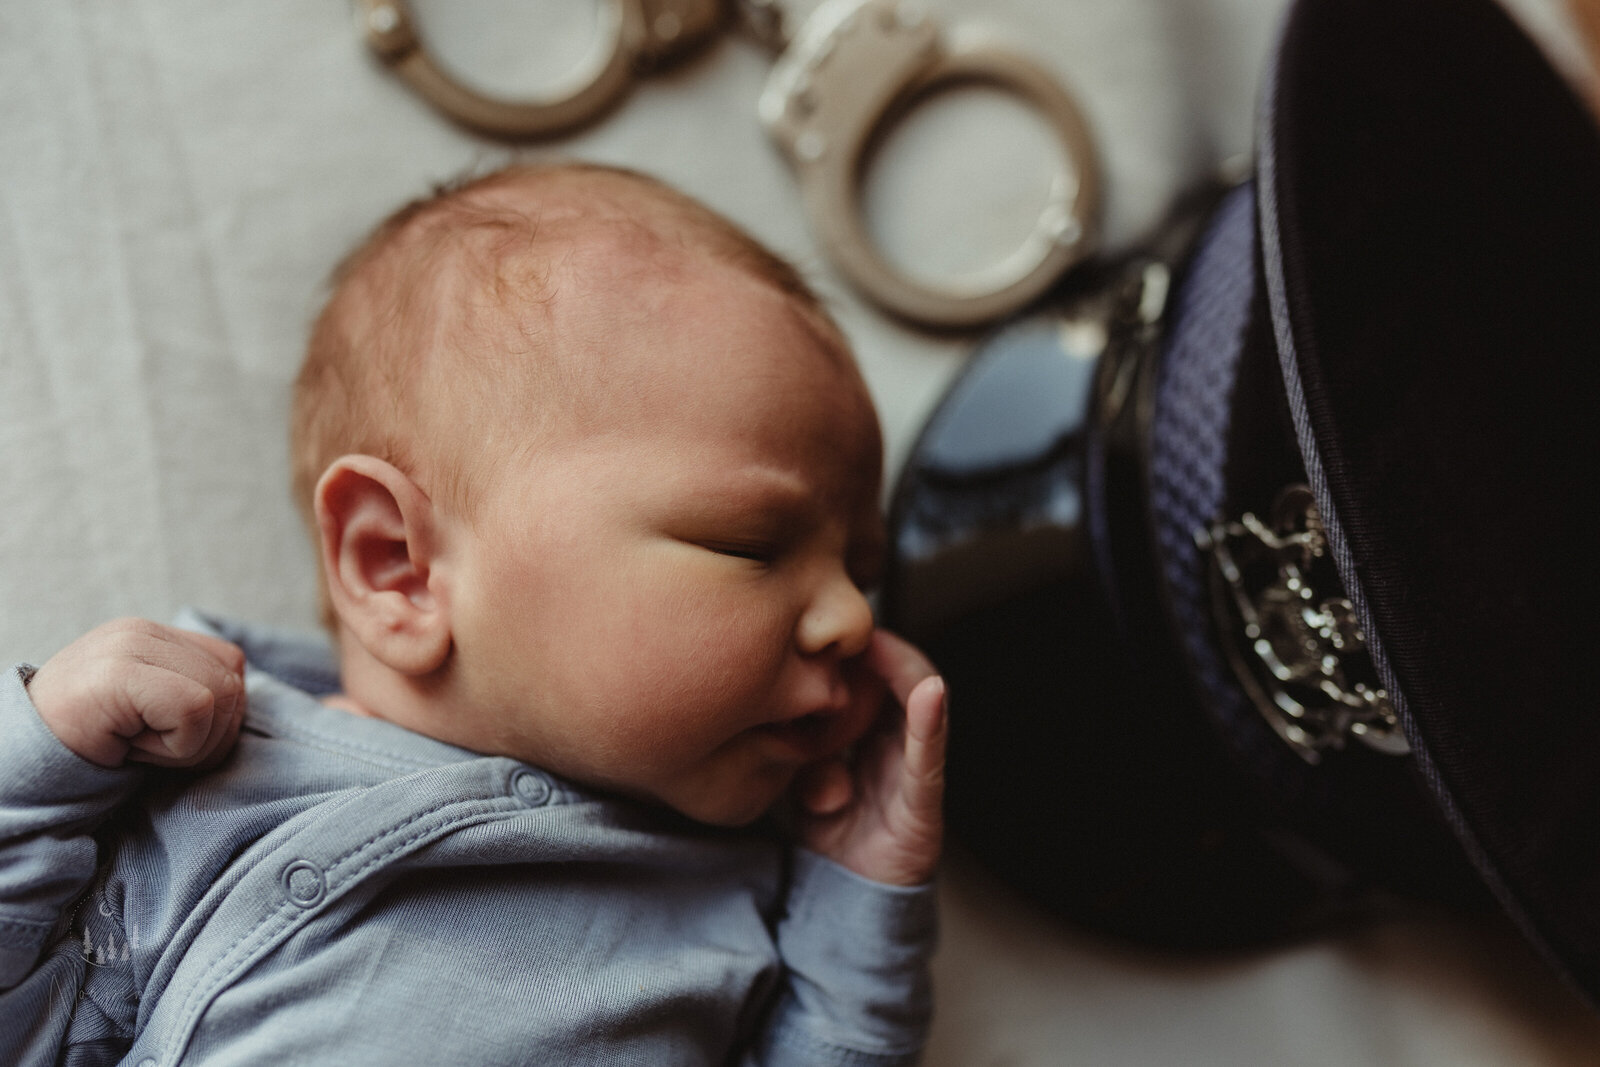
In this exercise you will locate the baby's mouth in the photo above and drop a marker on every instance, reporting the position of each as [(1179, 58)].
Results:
[(811, 725), (810, 736)]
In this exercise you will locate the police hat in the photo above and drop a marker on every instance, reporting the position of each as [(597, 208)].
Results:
[(1260, 564)]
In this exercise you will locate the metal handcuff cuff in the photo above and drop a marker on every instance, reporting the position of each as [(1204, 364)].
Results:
[(853, 67)]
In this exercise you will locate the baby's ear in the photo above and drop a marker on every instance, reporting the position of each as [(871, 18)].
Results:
[(380, 546)]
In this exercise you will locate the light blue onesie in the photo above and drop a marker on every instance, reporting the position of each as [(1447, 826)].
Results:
[(344, 891)]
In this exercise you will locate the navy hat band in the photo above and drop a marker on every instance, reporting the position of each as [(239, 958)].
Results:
[(1188, 448)]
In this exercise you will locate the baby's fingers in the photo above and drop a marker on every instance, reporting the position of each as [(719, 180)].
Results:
[(214, 652), (899, 663), (190, 697), (927, 735), (186, 720), (137, 686), (826, 788)]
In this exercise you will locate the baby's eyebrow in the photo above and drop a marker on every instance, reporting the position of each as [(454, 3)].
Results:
[(776, 503), (767, 488), (786, 496)]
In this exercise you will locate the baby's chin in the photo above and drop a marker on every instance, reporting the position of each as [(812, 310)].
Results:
[(733, 810)]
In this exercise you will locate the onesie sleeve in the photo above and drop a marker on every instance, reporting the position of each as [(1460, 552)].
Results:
[(856, 988), (51, 799)]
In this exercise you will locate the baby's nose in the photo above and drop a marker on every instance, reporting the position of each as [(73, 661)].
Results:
[(839, 618)]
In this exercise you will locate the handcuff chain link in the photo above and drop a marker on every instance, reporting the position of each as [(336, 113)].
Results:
[(766, 22)]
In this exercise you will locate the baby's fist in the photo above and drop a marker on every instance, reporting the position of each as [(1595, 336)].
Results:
[(137, 690)]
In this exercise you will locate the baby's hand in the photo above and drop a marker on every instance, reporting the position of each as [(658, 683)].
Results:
[(883, 817), (137, 690)]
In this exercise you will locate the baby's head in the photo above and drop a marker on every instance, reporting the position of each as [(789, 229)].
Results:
[(595, 484)]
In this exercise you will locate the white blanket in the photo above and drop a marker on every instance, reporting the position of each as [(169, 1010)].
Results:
[(178, 176)]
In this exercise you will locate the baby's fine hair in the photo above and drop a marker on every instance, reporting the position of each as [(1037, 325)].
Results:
[(373, 366)]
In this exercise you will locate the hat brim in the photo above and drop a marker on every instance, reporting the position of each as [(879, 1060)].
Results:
[(1429, 214)]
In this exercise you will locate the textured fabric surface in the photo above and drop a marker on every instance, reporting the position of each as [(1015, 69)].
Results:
[(1188, 443)]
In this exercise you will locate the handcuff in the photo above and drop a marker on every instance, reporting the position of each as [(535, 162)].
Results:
[(853, 68)]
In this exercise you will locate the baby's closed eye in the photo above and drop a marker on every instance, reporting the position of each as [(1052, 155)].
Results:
[(757, 552)]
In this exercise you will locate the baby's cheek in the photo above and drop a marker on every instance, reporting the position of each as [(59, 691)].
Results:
[(732, 634), (691, 662)]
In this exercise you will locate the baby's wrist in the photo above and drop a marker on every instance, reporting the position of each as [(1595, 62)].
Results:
[(38, 771), (69, 722), (894, 872)]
